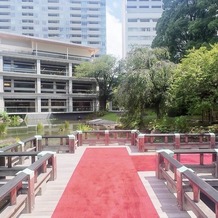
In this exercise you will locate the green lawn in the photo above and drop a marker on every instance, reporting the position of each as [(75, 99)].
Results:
[(111, 116)]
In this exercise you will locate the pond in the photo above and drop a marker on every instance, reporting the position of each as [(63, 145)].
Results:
[(51, 127)]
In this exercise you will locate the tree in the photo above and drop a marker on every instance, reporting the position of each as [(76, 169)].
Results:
[(145, 84), (195, 84), (105, 70), (185, 24)]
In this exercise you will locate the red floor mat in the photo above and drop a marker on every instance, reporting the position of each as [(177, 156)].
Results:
[(105, 184)]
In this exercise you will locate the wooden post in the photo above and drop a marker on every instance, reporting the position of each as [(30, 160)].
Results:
[(141, 142), (13, 196), (179, 186), (133, 137), (61, 141), (22, 149), (216, 210), (80, 138), (215, 160), (31, 191), (201, 159), (159, 163), (38, 142), (71, 143), (106, 135), (212, 140), (54, 167), (196, 193), (177, 141)]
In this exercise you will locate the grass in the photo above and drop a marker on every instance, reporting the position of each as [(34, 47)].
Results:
[(111, 116)]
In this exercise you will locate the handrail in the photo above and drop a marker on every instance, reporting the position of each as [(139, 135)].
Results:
[(144, 142), (185, 180), (12, 184), (31, 174)]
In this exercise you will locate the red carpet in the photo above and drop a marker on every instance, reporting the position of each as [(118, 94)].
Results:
[(195, 159), (105, 184), (144, 162)]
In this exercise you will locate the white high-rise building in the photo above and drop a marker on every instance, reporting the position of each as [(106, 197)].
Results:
[(78, 21), (139, 22)]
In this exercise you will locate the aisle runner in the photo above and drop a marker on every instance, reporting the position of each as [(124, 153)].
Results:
[(105, 184)]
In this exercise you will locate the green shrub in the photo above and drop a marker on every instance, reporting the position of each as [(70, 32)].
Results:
[(4, 116), (14, 121), (64, 127), (84, 127), (40, 128), (3, 129)]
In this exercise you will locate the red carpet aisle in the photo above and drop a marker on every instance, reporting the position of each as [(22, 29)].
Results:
[(105, 184), (144, 162)]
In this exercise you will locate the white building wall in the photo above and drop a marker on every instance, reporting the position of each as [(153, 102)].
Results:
[(82, 22), (139, 22)]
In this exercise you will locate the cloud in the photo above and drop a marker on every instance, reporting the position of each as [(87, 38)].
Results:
[(114, 35)]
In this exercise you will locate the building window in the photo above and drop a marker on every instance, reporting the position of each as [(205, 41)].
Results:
[(53, 15), (53, 35), (4, 6), (75, 22), (94, 43), (20, 105), (130, 6), (27, 7), (75, 15), (53, 1), (53, 8), (75, 9), (27, 28), (4, 27), (53, 21), (53, 28), (5, 20), (156, 6), (4, 13), (132, 20), (93, 22), (27, 14), (93, 29), (144, 20), (27, 21)]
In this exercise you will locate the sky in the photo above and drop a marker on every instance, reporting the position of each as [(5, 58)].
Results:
[(114, 27)]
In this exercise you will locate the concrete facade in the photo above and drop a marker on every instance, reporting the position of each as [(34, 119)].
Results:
[(139, 22), (82, 22), (37, 75)]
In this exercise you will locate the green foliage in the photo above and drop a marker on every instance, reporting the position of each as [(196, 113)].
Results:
[(169, 124), (65, 127), (3, 129), (101, 113), (14, 121), (84, 127), (4, 116), (186, 24), (194, 86), (40, 128), (105, 70), (145, 84), (110, 116)]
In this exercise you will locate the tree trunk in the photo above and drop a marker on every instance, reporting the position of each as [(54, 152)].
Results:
[(103, 104)]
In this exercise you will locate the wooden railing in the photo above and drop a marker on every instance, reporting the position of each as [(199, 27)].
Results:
[(18, 194), (106, 137), (143, 142), (146, 142), (186, 184)]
